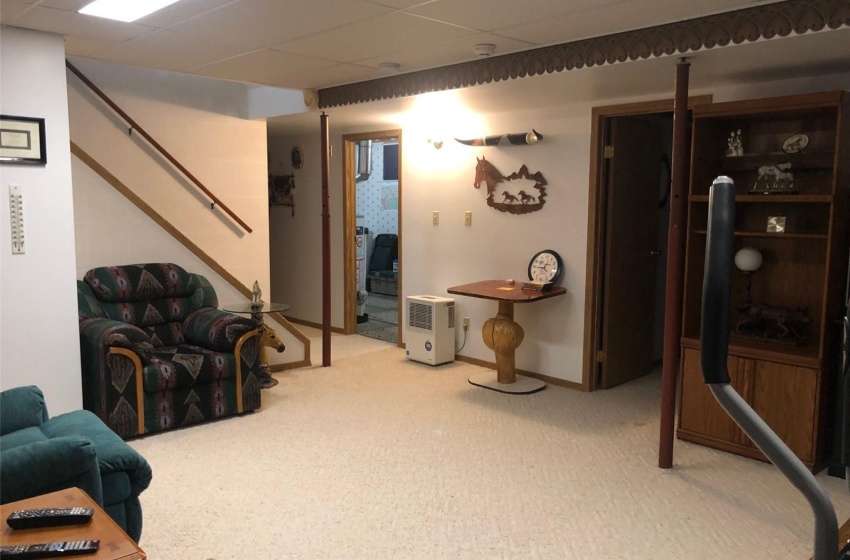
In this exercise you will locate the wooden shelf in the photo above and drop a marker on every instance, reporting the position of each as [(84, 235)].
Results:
[(768, 198), (799, 162), (772, 235), (804, 269), (805, 356)]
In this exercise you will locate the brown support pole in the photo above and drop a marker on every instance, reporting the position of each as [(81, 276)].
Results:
[(326, 246), (675, 270)]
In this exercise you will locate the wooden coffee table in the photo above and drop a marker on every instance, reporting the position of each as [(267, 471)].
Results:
[(114, 542)]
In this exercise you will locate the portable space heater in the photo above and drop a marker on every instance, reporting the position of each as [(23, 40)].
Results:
[(430, 329)]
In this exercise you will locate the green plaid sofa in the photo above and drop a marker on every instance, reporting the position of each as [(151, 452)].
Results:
[(156, 352)]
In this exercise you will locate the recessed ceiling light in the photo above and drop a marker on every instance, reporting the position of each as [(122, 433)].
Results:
[(122, 10)]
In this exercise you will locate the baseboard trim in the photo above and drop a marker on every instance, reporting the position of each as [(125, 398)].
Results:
[(319, 326), (290, 365), (548, 379)]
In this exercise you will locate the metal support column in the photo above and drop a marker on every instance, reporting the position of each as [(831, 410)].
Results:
[(675, 266), (326, 245)]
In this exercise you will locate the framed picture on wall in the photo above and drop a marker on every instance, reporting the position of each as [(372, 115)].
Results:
[(22, 140)]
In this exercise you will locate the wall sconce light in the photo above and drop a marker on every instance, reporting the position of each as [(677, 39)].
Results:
[(748, 260)]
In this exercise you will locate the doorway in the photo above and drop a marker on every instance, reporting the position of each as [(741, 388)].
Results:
[(627, 241), (372, 224)]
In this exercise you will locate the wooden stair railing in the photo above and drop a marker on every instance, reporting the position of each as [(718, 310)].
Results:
[(135, 127), (116, 183)]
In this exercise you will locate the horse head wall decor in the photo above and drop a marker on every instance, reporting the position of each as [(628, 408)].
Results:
[(513, 197)]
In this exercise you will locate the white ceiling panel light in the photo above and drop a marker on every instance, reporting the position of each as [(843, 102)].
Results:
[(122, 10)]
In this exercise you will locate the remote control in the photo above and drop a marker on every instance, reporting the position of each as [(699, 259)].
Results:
[(49, 517), (48, 550)]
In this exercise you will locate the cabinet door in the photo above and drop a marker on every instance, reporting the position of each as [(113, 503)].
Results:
[(700, 413), (786, 396)]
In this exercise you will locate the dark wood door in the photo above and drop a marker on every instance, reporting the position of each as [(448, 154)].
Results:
[(631, 252)]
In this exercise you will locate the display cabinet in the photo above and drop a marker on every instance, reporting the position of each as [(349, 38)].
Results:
[(789, 158)]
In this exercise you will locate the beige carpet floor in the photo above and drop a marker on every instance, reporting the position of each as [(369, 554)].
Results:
[(378, 457)]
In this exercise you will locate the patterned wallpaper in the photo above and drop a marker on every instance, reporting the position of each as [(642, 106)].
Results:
[(377, 200)]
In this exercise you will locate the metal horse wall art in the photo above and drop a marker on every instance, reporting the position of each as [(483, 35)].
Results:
[(502, 197)]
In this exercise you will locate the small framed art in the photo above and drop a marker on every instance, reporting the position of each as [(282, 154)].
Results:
[(22, 140)]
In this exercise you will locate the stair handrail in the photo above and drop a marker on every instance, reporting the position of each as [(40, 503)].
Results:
[(134, 126)]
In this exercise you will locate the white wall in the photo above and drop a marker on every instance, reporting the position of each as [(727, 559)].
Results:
[(199, 122), (295, 249), (39, 337), (497, 245), (135, 238)]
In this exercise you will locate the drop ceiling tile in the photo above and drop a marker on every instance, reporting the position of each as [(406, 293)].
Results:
[(261, 23), (625, 16), (450, 52), (181, 11), (67, 5), (169, 50), (379, 36), (76, 45), (399, 4), (487, 15), (332, 76), (78, 25), (261, 67), (10, 9)]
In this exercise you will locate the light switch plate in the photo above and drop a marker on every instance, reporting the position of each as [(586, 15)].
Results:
[(435, 218), (467, 218)]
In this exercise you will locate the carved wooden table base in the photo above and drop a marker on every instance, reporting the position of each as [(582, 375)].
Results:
[(503, 335)]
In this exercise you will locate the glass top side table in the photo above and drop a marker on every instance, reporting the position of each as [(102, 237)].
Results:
[(268, 338)]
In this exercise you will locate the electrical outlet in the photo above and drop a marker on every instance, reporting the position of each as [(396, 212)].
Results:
[(467, 218), (466, 322), (435, 218)]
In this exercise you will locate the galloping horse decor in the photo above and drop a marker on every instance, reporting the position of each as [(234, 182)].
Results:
[(519, 202)]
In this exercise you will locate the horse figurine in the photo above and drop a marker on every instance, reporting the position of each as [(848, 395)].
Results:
[(486, 172), (269, 338)]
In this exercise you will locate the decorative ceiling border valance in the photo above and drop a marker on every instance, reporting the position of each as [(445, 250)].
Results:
[(746, 25)]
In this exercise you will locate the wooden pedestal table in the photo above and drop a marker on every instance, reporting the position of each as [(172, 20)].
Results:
[(503, 335), (114, 542)]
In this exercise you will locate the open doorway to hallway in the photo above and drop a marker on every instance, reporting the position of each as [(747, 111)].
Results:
[(627, 241), (636, 177), (372, 187)]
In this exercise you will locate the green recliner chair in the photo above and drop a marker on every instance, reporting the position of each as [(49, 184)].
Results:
[(40, 455)]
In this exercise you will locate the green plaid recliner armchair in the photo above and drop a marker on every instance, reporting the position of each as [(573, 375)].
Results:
[(157, 354), (39, 454)]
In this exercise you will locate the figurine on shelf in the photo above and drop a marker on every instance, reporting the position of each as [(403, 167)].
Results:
[(774, 324), (735, 145), (257, 296), (775, 179)]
